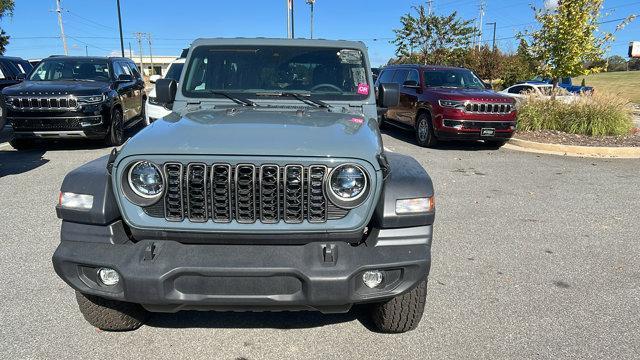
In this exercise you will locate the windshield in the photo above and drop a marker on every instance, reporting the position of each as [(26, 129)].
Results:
[(330, 73), (174, 71), (71, 69), (455, 78)]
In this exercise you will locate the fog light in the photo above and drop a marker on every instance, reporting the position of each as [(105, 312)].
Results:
[(414, 206), (372, 278), (108, 276), (75, 201)]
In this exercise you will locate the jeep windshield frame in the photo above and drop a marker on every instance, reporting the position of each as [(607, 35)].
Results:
[(251, 71)]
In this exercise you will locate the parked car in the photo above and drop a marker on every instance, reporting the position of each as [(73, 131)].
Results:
[(540, 89), (153, 109), (76, 97), (443, 103), (12, 71), (266, 188), (567, 84)]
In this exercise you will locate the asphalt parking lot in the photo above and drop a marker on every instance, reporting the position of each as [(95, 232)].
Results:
[(534, 256)]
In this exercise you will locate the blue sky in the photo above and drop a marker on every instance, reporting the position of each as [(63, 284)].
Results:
[(93, 23)]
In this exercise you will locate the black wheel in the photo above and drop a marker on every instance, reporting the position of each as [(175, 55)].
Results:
[(115, 137), (402, 313), (382, 122), (424, 131), (111, 315), (21, 144)]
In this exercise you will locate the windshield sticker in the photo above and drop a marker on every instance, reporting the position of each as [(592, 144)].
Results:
[(363, 89), (357, 120), (348, 56)]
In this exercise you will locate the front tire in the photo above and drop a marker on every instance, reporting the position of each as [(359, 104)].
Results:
[(425, 135), (402, 313), (115, 137), (21, 144), (111, 315)]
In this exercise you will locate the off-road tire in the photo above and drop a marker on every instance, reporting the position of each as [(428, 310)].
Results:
[(402, 313), (111, 315), (425, 135), (21, 144), (115, 136)]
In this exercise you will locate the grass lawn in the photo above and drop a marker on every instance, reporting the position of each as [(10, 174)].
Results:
[(622, 83)]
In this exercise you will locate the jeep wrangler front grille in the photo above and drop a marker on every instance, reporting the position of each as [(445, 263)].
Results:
[(246, 193)]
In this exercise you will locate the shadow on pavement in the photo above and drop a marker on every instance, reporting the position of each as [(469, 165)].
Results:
[(244, 320), (14, 162), (408, 136)]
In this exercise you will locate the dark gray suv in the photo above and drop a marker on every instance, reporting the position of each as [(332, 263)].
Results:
[(267, 188)]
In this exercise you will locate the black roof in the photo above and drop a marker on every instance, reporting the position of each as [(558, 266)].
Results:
[(88, 57)]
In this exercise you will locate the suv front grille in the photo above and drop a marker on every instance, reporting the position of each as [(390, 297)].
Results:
[(245, 193), (487, 108), (40, 103)]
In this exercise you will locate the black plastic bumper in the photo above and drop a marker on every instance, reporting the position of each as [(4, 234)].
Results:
[(169, 276)]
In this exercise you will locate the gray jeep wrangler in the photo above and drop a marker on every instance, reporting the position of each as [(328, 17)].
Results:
[(267, 188)]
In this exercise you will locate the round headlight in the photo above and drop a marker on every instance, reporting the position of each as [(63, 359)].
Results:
[(145, 180), (347, 185)]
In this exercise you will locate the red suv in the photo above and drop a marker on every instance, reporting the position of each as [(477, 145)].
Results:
[(447, 103)]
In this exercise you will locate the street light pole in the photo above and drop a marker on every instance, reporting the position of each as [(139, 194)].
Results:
[(120, 27), (311, 3), (493, 55)]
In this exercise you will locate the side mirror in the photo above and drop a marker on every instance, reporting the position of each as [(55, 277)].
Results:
[(21, 76), (166, 91), (411, 84), (125, 78), (487, 86), (154, 78), (388, 95)]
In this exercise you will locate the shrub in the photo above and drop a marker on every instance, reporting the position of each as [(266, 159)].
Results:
[(594, 115)]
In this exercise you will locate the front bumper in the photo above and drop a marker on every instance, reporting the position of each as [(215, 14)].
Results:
[(457, 129), (92, 126), (168, 276)]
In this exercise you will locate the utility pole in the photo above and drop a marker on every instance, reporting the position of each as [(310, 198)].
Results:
[(430, 3), (152, 72), (288, 18), (86, 50), (120, 27), (493, 55), (64, 38), (130, 52), (311, 3), (482, 5), (139, 38), (293, 26)]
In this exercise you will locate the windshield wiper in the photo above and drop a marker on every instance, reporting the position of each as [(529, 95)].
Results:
[(303, 97), (239, 101)]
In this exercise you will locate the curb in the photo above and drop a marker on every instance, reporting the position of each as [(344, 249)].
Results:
[(574, 150)]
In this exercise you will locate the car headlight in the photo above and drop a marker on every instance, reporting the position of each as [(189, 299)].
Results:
[(144, 183), (91, 99), (453, 104), (347, 185)]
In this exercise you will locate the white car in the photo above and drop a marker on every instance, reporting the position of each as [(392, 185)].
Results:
[(544, 90), (152, 109)]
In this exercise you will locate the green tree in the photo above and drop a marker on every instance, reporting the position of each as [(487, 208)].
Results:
[(431, 39), (568, 39), (6, 9), (616, 63)]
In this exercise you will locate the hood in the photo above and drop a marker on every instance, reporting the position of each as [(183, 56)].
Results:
[(63, 87), (260, 132), (470, 94)]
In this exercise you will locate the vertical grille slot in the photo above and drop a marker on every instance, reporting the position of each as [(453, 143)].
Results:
[(293, 194), (63, 102), (197, 192), (221, 192), (54, 103), (173, 204), (317, 202), (245, 181), (269, 194)]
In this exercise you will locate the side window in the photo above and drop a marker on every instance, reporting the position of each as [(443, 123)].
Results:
[(515, 90), (134, 70), (125, 68), (525, 89), (117, 69), (413, 77), (386, 76), (400, 76)]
